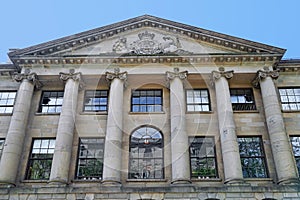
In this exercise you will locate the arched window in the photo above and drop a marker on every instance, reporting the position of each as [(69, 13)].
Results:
[(146, 154)]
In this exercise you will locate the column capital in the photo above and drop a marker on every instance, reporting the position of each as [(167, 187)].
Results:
[(172, 75), (262, 74), (31, 77), (216, 75), (116, 74), (72, 75)]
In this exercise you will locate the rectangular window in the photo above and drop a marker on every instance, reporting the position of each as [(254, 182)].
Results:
[(290, 98), (40, 160), (197, 100), (146, 101), (242, 99), (7, 100), (1, 146), (203, 157), (51, 102), (252, 157), (96, 101), (90, 159), (295, 140)]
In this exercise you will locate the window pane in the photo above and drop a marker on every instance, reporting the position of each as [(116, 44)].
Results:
[(290, 98), (197, 100), (96, 101), (146, 101), (295, 141), (7, 100), (242, 99), (51, 102)]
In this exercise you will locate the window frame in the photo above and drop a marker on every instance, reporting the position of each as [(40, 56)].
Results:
[(41, 106), (289, 103), (297, 157), (146, 105), (199, 104), (252, 106), (262, 156), (89, 178), (161, 145), (206, 157), (31, 159), (1, 146), (6, 106), (95, 111)]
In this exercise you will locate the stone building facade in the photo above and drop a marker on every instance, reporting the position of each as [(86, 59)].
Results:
[(148, 109)]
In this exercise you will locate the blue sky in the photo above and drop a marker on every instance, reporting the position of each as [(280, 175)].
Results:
[(30, 22)]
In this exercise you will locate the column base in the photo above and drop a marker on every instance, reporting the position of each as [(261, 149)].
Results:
[(181, 182), (235, 182), (111, 183), (58, 182), (289, 181)]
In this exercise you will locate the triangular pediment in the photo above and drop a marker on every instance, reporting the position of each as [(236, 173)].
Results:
[(145, 35)]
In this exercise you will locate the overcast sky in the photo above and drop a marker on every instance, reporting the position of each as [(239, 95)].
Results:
[(29, 22)]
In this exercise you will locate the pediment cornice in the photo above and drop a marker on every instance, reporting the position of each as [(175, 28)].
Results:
[(103, 33)]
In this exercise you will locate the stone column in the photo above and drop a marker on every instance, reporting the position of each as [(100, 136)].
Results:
[(113, 139), (179, 139), (229, 145), (281, 148), (65, 131), (13, 146)]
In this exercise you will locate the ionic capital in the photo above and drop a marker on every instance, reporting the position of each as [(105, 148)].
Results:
[(72, 75), (172, 75), (110, 76), (31, 77), (262, 74), (216, 75)]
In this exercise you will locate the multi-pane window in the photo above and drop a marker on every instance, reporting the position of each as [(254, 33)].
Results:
[(40, 161), (295, 140), (252, 157), (290, 98), (146, 101), (1, 146), (90, 159), (96, 101), (242, 99), (203, 157), (146, 154), (7, 100), (197, 100), (51, 102)]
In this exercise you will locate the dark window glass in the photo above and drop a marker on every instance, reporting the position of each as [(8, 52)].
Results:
[(295, 140), (40, 161), (252, 157), (1, 146), (146, 101), (96, 101), (197, 100), (146, 154), (90, 159), (290, 98), (203, 157), (242, 99), (7, 100), (51, 102)]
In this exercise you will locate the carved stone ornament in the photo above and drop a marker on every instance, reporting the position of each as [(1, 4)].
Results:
[(32, 77), (116, 74), (72, 75), (147, 45), (222, 73), (262, 74), (176, 73)]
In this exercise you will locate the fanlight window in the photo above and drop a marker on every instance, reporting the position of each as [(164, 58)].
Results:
[(146, 154)]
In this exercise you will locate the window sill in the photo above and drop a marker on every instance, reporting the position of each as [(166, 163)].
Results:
[(35, 181), (146, 113), (290, 111), (258, 179), (5, 114), (93, 113), (199, 112), (146, 180), (87, 181), (206, 179), (245, 111), (46, 114)]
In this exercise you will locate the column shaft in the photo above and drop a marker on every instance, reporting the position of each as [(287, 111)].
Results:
[(65, 131), (179, 138), (230, 150), (281, 149), (13, 147), (113, 139)]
